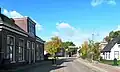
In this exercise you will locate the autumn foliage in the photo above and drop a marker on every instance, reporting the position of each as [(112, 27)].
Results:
[(53, 45)]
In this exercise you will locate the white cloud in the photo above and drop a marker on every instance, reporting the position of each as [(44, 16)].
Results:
[(112, 2), (55, 33), (98, 2), (38, 26), (65, 29), (12, 14), (5, 12), (15, 14), (63, 25), (69, 33)]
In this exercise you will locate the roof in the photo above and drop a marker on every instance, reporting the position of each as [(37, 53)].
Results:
[(72, 47), (110, 45), (103, 43), (9, 22), (27, 18), (39, 39)]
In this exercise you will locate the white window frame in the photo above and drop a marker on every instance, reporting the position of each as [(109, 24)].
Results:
[(109, 55), (118, 54), (13, 50)]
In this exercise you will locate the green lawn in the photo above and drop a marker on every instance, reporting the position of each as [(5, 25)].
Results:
[(119, 62), (110, 62)]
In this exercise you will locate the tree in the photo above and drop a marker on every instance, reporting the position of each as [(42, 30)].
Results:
[(66, 44), (107, 39), (84, 49), (112, 34), (96, 51), (90, 50), (53, 46)]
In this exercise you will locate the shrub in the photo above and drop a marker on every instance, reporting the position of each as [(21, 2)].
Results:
[(101, 58)]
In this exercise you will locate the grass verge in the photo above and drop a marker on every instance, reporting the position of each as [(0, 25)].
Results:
[(110, 62)]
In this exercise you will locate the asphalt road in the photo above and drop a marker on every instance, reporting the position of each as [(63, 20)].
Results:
[(72, 65), (63, 65)]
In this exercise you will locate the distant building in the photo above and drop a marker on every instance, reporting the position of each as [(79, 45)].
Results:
[(61, 52), (112, 50), (102, 45)]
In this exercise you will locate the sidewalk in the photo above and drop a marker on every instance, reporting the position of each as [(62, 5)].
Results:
[(100, 67), (108, 68), (26, 66)]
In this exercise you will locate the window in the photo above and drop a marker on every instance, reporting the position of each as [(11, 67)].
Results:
[(28, 45), (33, 51), (21, 50), (31, 28), (116, 54), (37, 52), (40, 48), (28, 54), (109, 55), (106, 55), (118, 46), (33, 45), (10, 48), (41, 51)]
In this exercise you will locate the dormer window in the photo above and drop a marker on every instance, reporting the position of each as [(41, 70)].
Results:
[(119, 46), (31, 28)]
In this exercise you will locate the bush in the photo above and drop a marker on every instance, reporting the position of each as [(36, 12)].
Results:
[(83, 57), (101, 58)]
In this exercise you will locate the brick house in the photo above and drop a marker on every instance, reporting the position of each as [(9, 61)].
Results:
[(18, 41), (28, 25)]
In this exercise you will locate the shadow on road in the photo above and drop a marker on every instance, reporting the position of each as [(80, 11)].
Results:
[(48, 67)]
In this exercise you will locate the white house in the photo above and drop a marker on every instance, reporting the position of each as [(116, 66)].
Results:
[(112, 50)]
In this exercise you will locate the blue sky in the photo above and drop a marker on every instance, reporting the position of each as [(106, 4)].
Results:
[(73, 20)]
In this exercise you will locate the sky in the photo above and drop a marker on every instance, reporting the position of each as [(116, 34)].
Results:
[(71, 20)]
